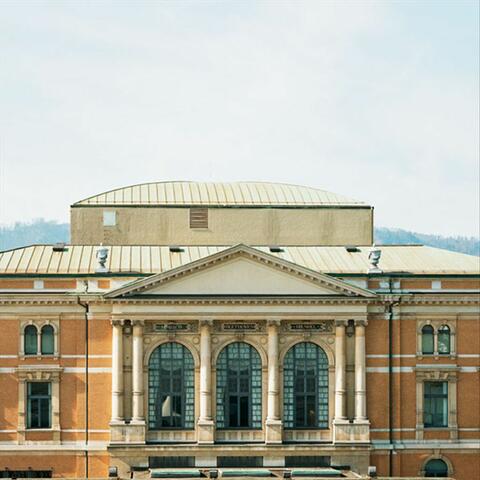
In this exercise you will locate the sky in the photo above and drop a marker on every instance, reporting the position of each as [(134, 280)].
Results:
[(374, 100)]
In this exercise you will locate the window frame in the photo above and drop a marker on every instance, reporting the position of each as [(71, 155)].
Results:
[(39, 326), (436, 324), (38, 373), (254, 391), (445, 373), (39, 400), (319, 425), (30, 327), (432, 398), (153, 396)]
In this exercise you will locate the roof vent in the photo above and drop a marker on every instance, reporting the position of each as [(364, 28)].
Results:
[(176, 249), (275, 249), (351, 248), (60, 247)]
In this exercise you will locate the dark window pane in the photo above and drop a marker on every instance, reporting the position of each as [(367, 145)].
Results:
[(30, 339), (38, 405), (39, 388), (311, 419), (244, 420), (435, 404), (44, 413), (427, 339), (300, 411), (233, 409), (436, 468), (47, 340)]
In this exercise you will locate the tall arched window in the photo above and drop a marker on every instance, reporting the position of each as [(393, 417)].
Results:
[(305, 387), (239, 387), (427, 340), (436, 468), (47, 340), (444, 340), (30, 340), (171, 387)]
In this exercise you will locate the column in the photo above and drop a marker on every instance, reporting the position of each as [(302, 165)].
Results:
[(273, 422), (137, 372), (360, 372), (117, 371), (205, 369), (340, 363), (205, 421), (273, 411)]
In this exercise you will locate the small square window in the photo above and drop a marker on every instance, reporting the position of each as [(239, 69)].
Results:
[(109, 218)]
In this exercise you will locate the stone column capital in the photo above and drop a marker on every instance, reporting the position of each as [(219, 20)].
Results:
[(341, 322), (274, 322), (138, 323), (117, 322), (205, 322), (361, 322)]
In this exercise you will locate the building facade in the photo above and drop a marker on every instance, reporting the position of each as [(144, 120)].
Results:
[(194, 325)]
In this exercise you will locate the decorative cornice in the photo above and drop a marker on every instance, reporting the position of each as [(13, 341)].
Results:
[(242, 301)]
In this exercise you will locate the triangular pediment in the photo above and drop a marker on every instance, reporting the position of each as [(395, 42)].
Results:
[(240, 270)]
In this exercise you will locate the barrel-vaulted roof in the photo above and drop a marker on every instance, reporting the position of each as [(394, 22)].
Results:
[(146, 260), (218, 194)]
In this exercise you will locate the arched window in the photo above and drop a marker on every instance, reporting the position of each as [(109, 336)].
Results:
[(436, 468), (305, 387), (239, 387), (444, 340), (427, 339), (30, 340), (47, 340), (170, 387)]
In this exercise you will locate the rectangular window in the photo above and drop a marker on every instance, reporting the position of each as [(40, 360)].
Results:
[(199, 218), (109, 218), (39, 405), (435, 404)]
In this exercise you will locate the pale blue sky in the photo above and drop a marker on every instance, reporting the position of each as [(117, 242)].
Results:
[(377, 100)]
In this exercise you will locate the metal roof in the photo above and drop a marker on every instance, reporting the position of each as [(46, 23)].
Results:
[(218, 194), (78, 259)]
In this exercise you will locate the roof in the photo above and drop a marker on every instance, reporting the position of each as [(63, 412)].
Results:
[(218, 194), (78, 259)]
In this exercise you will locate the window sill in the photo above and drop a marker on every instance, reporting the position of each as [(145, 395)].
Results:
[(301, 429), (53, 356), (436, 356)]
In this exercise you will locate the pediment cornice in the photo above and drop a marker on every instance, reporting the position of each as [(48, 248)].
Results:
[(333, 285)]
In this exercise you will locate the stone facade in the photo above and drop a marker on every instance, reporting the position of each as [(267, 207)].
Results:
[(107, 327)]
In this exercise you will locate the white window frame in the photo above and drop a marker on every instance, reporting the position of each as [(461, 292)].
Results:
[(38, 373), (437, 374), (436, 324), (39, 324)]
